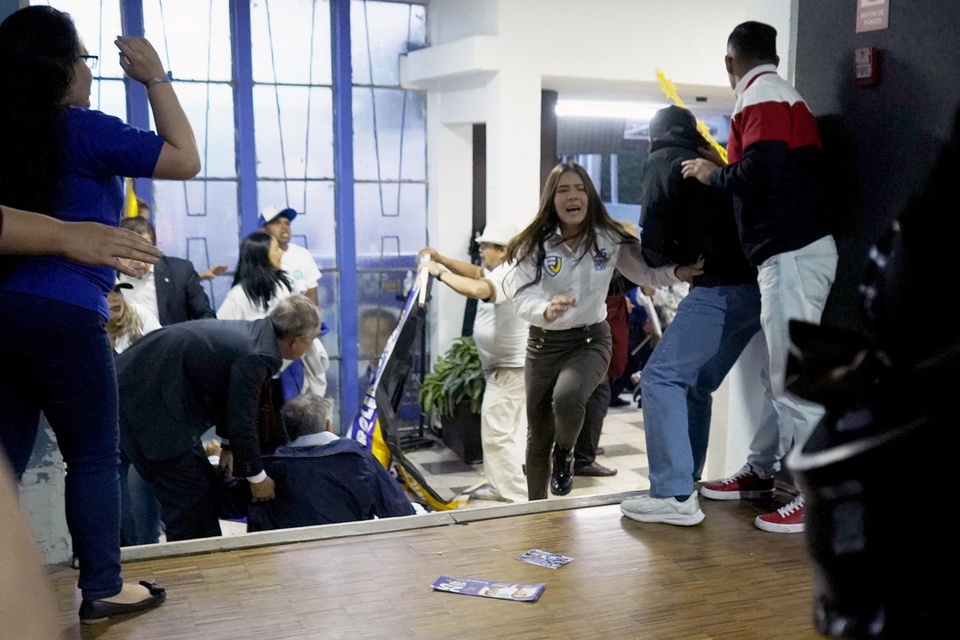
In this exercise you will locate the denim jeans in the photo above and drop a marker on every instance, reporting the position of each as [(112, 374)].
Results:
[(698, 349), (56, 358), (793, 285)]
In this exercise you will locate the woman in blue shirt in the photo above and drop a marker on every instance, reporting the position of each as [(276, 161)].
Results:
[(65, 160)]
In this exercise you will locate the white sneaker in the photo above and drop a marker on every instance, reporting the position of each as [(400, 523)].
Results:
[(485, 493), (665, 510)]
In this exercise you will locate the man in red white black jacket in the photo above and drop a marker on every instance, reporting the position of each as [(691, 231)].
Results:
[(775, 175)]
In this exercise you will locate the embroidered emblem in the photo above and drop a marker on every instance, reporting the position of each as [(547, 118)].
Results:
[(553, 264), (600, 259)]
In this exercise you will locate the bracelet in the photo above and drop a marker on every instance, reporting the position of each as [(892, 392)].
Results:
[(158, 80), (440, 276)]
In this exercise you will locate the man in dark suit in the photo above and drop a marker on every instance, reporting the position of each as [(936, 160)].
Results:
[(179, 380), (323, 479), (171, 289)]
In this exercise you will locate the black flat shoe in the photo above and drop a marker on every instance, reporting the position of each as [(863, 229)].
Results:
[(561, 480), (94, 611)]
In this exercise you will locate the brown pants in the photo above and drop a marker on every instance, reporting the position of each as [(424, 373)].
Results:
[(562, 370)]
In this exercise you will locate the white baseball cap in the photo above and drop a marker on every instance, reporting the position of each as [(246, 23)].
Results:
[(499, 232), (270, 213)]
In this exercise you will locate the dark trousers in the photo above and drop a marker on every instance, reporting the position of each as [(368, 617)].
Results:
[(186, 488), (588, 441), (562, 370), (56, 358)]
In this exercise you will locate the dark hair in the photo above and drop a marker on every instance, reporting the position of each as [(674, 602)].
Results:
[(678, 122), (304, 415), (754, 41), (38, 50), (255, 274), (140, 225), (530, 244)]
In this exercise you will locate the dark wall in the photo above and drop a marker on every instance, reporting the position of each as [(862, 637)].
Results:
[(897, 126)]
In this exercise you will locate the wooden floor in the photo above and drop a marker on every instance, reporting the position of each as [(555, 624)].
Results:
[(721, 579)]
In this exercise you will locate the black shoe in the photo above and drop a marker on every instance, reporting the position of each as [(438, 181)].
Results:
[(94, 611), (562, 479), (601, 451), (617, 401), (594, 470)]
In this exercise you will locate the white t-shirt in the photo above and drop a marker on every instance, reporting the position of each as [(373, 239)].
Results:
[(144, 291), (237, 306), (301, 267), (500, 334)]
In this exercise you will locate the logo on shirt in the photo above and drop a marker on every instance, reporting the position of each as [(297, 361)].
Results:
[(553, 264), (600, 259)]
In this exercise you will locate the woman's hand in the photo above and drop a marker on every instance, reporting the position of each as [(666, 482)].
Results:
[(557, 307), (688, 272), (93, 243), (139, 59)]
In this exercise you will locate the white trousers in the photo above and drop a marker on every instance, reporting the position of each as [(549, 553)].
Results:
[(503, 432), (793, 285)]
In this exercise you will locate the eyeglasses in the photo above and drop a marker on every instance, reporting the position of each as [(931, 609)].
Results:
[(91, 61)]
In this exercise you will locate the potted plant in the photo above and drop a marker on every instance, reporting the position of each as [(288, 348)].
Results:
[(453, 391)]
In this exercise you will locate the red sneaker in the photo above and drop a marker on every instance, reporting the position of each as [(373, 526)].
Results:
[(743, 484), (786, 519)]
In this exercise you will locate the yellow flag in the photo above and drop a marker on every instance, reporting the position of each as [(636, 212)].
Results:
[(130, 207), (670, 90)]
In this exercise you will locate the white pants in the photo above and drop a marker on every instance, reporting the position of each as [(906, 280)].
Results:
[(503, 430), (793, 285)]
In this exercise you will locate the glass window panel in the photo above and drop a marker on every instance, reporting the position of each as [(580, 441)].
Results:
[(193, 39), (315, 225), (209, 107), (394, 149), (304, 116), (290, 41), (328, 298), (109, 96), (97, 28), (390, 218), (380, 33), (198, 220)]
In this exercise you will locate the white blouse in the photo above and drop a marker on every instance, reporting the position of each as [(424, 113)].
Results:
[(586, 278)]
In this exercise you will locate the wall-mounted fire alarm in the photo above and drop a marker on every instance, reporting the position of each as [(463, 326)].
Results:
[(866, 61)]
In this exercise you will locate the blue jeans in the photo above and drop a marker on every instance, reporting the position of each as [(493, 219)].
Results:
[(56, 358), (698, 349)]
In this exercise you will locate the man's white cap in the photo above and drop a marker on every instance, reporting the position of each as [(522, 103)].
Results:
[(499, 232), (270, 213)]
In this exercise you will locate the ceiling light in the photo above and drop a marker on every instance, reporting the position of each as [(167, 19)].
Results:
[(607, 109)]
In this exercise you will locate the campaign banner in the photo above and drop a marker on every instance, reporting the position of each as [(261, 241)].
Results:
[(375, 425), (489, 589)]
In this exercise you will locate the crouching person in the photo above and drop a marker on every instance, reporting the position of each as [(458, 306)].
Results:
[(321, 478), (180, 379)]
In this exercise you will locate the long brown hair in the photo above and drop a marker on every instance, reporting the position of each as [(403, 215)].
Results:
[(530, 244)]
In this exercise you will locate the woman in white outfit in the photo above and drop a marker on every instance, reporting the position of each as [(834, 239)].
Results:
[(564, 262)]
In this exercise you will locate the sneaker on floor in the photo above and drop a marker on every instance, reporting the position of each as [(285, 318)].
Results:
[(485, 493), (743, 484), (665, 510), (786, 519)]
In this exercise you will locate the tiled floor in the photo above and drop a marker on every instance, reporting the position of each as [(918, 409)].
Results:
[(622, 438)]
